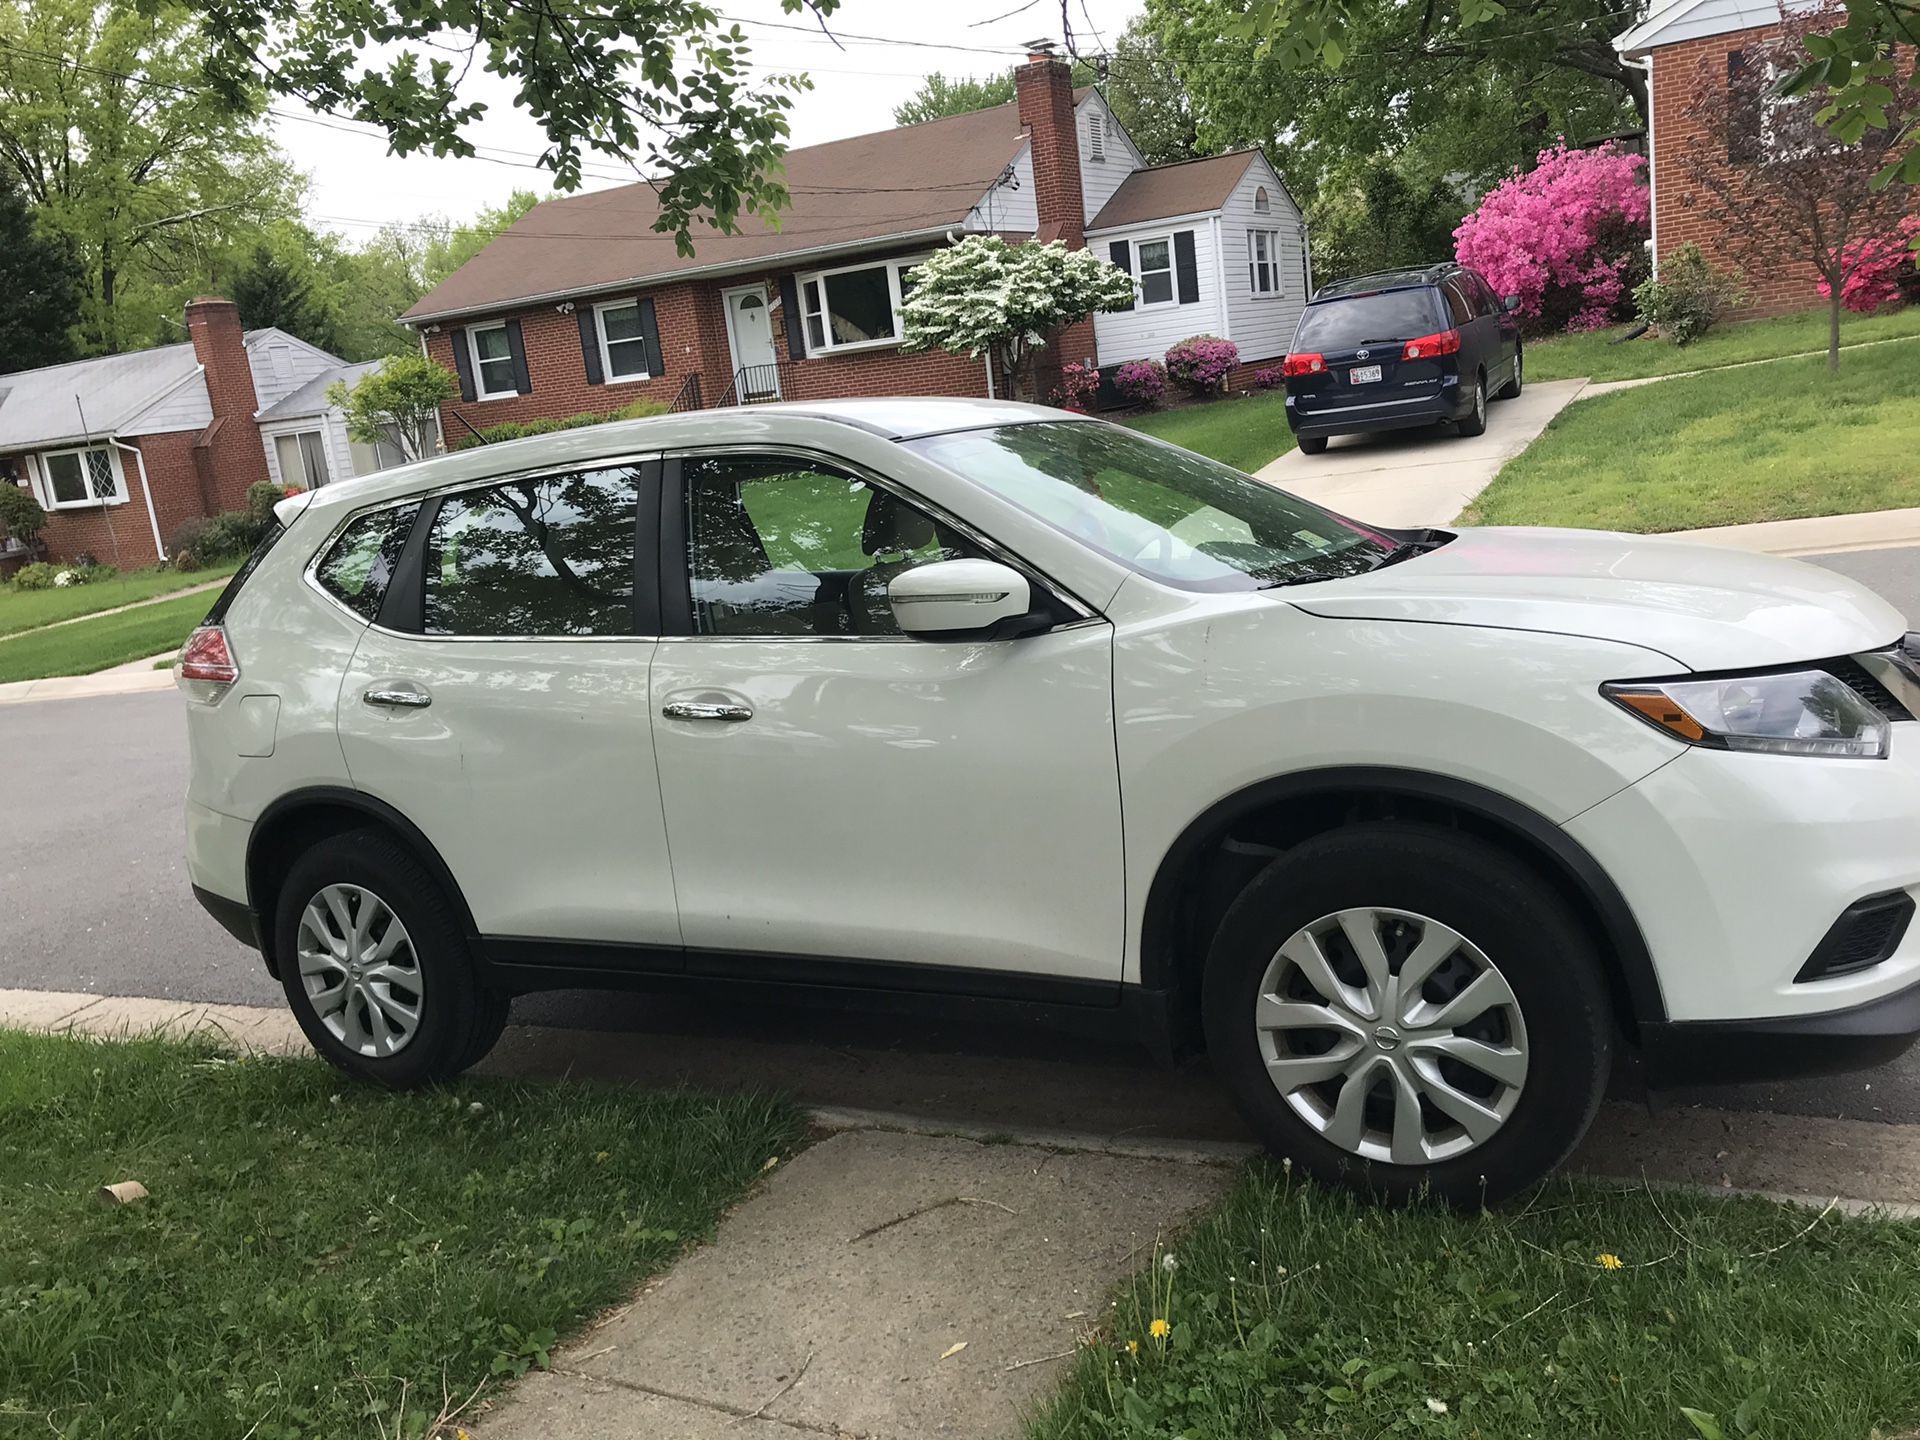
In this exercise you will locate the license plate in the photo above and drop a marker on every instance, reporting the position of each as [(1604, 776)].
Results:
[(1363, 374)]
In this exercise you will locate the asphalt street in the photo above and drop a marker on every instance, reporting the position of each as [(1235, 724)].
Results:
[(94, 897)]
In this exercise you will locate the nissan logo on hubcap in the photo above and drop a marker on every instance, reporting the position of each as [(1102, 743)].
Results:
[(1387, 1038)]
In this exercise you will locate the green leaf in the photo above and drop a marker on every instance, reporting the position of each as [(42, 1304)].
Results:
[(1706, 1424)]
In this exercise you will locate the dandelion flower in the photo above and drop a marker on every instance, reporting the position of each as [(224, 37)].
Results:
[(1438, 1407), (1159, 1328), (1133, 1347), (1169, 1262), (1609, 1261), (600, 1157)]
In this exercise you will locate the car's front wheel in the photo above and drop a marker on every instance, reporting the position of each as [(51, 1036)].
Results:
[(1401, 1008), (376, 965)]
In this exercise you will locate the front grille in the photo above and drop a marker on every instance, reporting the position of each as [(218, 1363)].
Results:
[(1862, 682), (1867, 932)]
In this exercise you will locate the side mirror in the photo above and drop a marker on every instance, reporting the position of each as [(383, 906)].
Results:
[(1510, 303), (959, 599)]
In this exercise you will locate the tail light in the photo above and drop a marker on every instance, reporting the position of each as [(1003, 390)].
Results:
[(1303, 365), (1447, 342), (208, 666)]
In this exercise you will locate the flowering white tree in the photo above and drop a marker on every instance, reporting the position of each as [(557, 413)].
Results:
[(983, 296)]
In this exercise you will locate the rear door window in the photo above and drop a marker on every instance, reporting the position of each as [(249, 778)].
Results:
[(1459, 308), (1366, 320)]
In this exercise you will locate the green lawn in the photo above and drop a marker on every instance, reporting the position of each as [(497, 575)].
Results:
[(322, 1259), (1300, 1313), (90, 645), (1567, 356), (1244, 431), (1769, 443), (26, 609)]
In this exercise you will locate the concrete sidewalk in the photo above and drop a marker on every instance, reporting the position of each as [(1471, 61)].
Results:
[(1420, 477), (133, 678)]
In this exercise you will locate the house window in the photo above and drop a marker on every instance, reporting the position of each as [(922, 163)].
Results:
[(623, 350), (857, 307), (1262, 205), (1096, 135), (1153, 267), (303, 459), (1263, 261), (492, 361), (82, 477)]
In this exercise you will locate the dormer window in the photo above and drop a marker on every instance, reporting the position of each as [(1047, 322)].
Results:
[(1261, 204), (1096, 135)]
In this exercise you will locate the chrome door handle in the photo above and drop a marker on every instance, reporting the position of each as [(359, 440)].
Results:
[(705, 710), (398, 696)]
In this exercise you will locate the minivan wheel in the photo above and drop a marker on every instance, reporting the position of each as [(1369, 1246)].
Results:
[(1511, 390), (1401, 1009), (1474, 422), (376, 965), (1311, 444)]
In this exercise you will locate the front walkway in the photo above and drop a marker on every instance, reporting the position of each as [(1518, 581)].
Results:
[(1420, 477)]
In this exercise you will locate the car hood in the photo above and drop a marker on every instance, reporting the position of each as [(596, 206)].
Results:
[(1707, 607)]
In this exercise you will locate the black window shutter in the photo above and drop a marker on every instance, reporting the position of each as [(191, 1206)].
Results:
[(517, 352), (1121, 254), (796, 322), (1743, 112), (650, 338), (1186, 270), (462, 361), (590, 344)]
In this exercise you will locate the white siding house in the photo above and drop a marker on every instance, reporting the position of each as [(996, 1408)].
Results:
[(1107, 154), (306, 437)]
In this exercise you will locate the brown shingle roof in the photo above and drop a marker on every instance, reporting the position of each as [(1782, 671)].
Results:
[(907, 181), (1187, 187)]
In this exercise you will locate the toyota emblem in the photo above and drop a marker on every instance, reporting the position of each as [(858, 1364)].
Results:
[(1362, 354)]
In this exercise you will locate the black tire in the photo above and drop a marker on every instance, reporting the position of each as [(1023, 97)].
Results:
[(1517, 922), (1474, 422), (459, 1019), (1311, 444), (1511, 390)]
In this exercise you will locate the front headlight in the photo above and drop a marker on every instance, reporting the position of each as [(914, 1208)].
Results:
[(1804, 712)]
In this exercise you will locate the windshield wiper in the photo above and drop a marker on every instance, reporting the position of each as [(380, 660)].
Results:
[(1420, 544)]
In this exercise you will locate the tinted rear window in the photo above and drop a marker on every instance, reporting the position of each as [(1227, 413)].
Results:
[(361, 562), (218, 614), (1364, 319)]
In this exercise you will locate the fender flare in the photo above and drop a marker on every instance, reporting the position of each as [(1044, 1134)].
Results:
[(1538, 835)]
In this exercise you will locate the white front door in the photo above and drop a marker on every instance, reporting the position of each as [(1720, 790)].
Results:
[(834, 789), (750, 333)]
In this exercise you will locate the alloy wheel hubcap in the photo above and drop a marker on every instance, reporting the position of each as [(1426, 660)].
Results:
[(359, 969), (1392, 1035)]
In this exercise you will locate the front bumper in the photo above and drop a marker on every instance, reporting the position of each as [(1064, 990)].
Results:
[(1731, 1052)]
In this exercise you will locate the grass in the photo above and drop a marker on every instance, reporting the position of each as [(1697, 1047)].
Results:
[(320, 1259), (1567, 356), (1297, 1312), (1244, 431), (1772, 443), (28, 609), (89, 645)]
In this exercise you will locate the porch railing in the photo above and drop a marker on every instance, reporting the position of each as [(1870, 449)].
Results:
[(689, 396), (753, 385)]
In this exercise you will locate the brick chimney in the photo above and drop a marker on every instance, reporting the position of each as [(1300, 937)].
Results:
[(228, 454), (1045, 88)]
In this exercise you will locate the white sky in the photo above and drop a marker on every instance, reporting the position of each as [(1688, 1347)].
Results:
[(357, 186)]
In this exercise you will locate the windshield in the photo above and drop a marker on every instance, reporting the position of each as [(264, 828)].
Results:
[(1365, 319), (1165, 512)]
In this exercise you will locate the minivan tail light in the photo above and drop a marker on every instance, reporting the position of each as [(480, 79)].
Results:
[(1308, 364), (207, 663), (1447, 342)]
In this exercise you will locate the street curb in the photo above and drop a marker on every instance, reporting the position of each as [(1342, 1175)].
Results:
[(137, 677), (1813, 535)]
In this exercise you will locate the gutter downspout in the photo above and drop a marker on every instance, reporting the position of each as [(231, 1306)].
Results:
[(1220, 280), (1653, 174), (146, 489)]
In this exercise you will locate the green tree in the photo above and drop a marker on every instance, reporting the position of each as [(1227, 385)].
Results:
[(448, 246), (1148, 96), (1373, 217), (41, 286), (273, 288), (399, 403), (109, 128), (939, 97)]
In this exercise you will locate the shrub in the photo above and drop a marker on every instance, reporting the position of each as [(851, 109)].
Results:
[(185, 540), (37, 576), (1880, 270), (1270, 377), (521, 429), (1140, 382), (1568, 237), (20, 514), (1201, 363), (1079, 384), (262, 496), (1689, 297)]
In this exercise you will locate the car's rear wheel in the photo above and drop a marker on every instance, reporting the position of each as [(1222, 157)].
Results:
[(1311, 444), (1511, 390), (376, 965), (1474, 422), (1402, 1009)]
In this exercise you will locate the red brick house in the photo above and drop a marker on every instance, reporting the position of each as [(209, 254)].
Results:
[(1677, 43), (121, 449), (581, 306)]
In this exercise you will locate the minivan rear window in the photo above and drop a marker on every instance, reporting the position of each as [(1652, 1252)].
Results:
[(1367, 319)]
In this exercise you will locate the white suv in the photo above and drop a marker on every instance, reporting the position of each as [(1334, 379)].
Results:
[(1410, 831)]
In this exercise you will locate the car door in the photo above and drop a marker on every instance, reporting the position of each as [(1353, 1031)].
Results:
[(838, 792), (1505, 323), (501, 704)]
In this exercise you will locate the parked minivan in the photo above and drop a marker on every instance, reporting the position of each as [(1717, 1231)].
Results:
[(1401, 349)]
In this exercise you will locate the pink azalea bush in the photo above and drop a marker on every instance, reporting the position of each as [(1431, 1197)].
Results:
[(1078, 385), (1201, 363), (1140, 382), (1568, 236), (1269, 377), (1877, 269)]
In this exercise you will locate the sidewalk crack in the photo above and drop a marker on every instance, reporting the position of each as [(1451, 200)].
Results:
[(718, 1406)]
